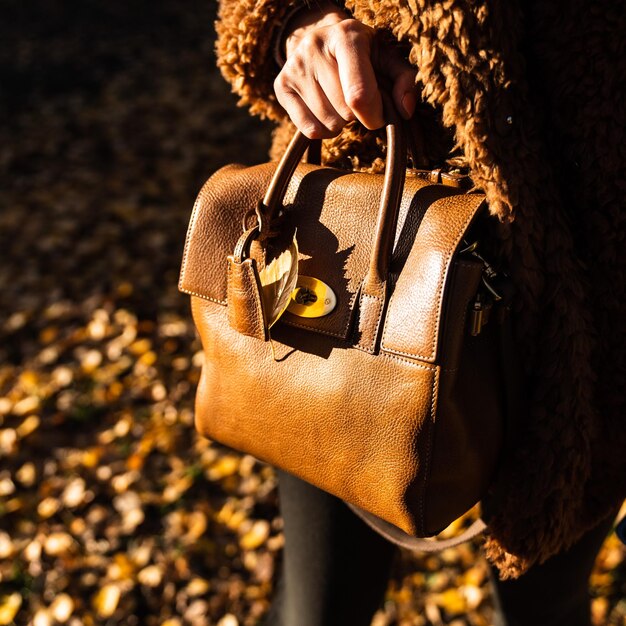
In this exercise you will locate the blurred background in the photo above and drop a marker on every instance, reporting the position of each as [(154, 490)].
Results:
[(112, 510)]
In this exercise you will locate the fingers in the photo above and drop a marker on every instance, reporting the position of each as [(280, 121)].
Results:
[(314, 116), (404, 93), (330, 78), (310, 91), (315, 106), (301, 115), (330, 85), (357, 77)]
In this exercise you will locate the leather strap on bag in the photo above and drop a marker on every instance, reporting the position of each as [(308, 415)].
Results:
[(403, 540), (389, 202), (373, 295)]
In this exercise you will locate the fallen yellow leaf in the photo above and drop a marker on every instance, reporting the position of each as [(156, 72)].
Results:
[(256, 536), (106, 600), (9, 606)]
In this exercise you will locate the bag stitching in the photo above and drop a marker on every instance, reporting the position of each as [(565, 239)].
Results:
[(439, 295), (315, 330), (465, 312), (260, 318), (195, 211), (363, 348), (340, 335), (380, 315), (435, 391), (200, 295), (430, 368)]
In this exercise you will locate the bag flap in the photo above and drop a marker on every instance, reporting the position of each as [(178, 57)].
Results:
[(334, 212), (415, 309)]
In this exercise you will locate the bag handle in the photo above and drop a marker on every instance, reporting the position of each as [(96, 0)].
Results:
[(393, 184)]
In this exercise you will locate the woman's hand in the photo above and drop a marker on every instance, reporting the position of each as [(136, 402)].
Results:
[(329, 77)]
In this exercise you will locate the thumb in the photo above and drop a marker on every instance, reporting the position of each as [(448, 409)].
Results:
[(404, 90), (402, 75)]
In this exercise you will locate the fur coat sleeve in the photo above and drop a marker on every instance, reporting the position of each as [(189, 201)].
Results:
[(246, 31), (498, 78)]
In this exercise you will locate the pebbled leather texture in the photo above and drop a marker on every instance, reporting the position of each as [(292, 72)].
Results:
[(387, 402), (333, 210), (245, 304), (370, 318), (419, 291)]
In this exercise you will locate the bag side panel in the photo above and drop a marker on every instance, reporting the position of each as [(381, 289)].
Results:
[(469, 425)]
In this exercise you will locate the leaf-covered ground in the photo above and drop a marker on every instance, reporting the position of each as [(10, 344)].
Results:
[(112, 511)]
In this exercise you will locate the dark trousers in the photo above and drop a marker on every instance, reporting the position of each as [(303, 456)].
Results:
[(335, 570)]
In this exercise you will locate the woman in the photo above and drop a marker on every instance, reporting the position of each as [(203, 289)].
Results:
[(530, 97)]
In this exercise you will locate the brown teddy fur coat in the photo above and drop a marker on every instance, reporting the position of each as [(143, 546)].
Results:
[(532, 95)]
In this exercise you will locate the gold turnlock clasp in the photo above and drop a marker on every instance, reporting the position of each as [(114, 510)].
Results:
[(311, 298)]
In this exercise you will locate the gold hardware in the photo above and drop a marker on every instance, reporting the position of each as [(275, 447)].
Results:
[(304, 296), (311, 298)]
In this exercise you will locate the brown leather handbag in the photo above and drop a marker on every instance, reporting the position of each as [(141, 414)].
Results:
[(382, 383)]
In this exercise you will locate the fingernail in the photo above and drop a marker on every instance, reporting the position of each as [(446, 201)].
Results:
[(408, 104)]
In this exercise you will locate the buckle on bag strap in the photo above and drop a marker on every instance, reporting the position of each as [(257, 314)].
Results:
[(495, 292)]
